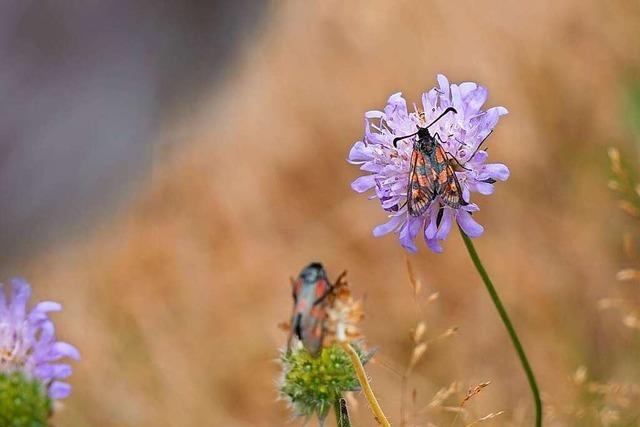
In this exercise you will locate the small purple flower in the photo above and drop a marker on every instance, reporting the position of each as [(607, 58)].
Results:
[(28, 342), (387, 167)]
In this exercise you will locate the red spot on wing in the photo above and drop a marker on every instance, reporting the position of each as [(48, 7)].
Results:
[(317, 331), (451, 193), (419, 163), (296, 287), (443, 177), (318, 312), (421, 184), (321, 288)]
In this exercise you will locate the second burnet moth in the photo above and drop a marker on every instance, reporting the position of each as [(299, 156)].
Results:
[(311, 290)]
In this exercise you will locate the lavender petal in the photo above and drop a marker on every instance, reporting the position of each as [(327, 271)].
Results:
[(470, 227)]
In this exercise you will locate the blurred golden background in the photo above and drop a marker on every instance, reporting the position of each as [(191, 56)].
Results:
[(173, 289)]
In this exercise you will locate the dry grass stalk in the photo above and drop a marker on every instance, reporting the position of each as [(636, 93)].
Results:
[(415, 283), (443, 394), (628, 274), (474, 391), (486, 417)]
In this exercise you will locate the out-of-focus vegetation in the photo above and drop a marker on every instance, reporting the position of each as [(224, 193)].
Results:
[(174, 300), (22, 401)]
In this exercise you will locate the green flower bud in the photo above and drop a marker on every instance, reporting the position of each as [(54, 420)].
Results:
[(313, 385), (23, 402)]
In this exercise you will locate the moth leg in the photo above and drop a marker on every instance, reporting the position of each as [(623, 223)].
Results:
[(293, 289), (340, 281), (457, 162), (463, 202), (439, 216), (297, 326), (324, 295), (480, 145), (451, 155)]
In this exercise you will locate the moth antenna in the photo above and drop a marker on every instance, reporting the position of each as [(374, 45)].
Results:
[(395, 140), (448, 110), (479, 146)]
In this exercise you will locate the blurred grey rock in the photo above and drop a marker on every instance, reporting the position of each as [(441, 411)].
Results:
[(84, 87)]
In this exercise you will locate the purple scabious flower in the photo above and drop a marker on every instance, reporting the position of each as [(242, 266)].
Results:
[(387, 167), (28, 342)]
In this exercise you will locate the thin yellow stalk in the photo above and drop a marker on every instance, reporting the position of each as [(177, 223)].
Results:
[(366, 387)]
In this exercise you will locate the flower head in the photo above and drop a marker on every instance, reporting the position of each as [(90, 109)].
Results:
[(311, 385), (313, 379), (462, 134), (28, 343)]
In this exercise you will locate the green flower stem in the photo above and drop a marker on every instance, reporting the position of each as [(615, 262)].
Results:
[(364, 383), (507, 323), (342, 413)]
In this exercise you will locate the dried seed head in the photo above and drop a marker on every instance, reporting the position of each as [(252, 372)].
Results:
[(415, 283), (606, 303), (418, 333), (434, 296), (443, 394), (631, 321), (614, 157), (609, 416), (417, 354), (627, 274), (486, 417), (343, 314), (451, 331), (628, 245), (474, 391), (628, 208), (580, 375)]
